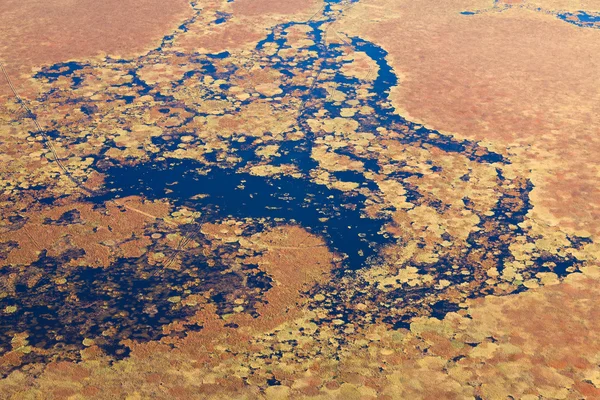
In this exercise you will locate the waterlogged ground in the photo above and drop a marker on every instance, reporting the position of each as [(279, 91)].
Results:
[(261, 221)]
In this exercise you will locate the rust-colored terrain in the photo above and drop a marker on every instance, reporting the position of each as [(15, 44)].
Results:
[(513, 74), (36, 32), (373, 199)]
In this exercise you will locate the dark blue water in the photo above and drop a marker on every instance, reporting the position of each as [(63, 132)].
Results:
[(241, 195), (222, 18), (582, 19), (55, 71)]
